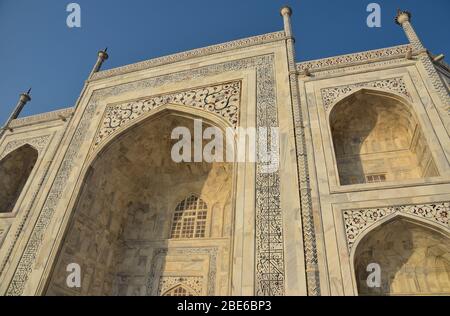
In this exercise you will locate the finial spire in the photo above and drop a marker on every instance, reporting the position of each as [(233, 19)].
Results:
[(286, 13), (286, 10), (403, 18), (101, 57), (24, 98)]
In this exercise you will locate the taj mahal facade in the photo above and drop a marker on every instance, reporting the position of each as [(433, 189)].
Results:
[(363, 177)]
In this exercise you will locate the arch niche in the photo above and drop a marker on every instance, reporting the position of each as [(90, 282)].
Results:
[(414, 258), (15, 170), (125, 209), (377, 138)]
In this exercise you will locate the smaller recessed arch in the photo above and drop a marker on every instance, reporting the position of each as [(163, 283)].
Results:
[(180, 290), (413, 259), (377, 138), (15, 169)]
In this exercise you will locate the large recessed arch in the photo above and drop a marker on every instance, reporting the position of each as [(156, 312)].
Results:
[(15, 169), (377, 138), (413, 256), (123, 210)]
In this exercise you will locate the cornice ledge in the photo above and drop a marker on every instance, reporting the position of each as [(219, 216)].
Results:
[(199, 52), (42, 117), (348, 60)]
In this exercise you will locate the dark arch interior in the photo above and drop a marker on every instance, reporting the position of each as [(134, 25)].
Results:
[(377, 138), (414, 260), (15, 169)]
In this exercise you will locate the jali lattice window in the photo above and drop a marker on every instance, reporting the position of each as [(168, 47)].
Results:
[(189, 220)]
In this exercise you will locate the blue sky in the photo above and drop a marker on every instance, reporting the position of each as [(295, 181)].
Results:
[(39, 50)]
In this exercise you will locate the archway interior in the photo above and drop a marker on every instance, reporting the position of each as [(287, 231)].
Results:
[(378, 139), (413, 260), (15, 170), (125, 211)]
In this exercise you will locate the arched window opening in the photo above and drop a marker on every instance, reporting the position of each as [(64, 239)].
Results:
[(15, 169), (189, 219), (378, 139), (412, 259), (179, 291)]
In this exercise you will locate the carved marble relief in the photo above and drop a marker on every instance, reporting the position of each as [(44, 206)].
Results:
[(358, 221), (199, 52), (42, 117), (222, 100), (39, 143), (330, 95), (354, 59), (193, 283)]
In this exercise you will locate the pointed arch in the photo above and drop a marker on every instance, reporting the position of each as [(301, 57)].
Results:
[(15, 169), (370, 90), (440, 227), (180, 290), (413, 256), (9, 150), (166, 109), (127, 189), (377, 138)]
